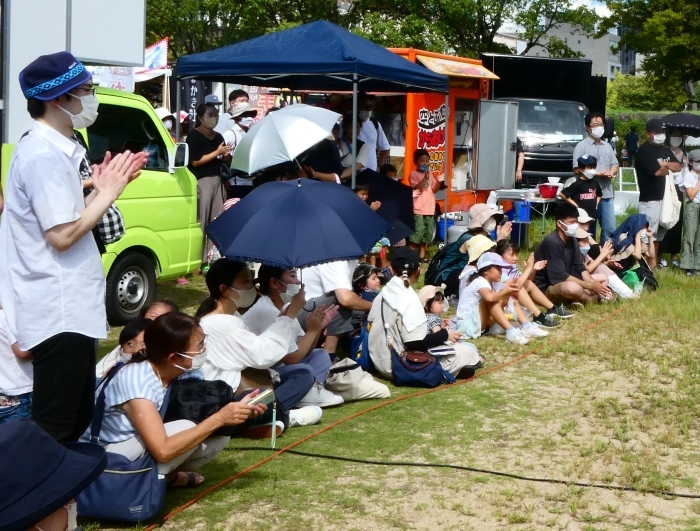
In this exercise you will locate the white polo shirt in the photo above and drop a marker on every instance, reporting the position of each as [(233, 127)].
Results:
[(16, 375), (322, 279), (375, 139), (45, 292)]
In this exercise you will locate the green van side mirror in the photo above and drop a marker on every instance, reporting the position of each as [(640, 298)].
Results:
[(180, 157)]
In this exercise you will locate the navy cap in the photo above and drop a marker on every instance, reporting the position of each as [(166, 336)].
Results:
[(655, 126), (587, 160), (49, 76)]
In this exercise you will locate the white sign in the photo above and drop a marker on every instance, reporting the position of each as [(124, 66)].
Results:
[(118, 77)]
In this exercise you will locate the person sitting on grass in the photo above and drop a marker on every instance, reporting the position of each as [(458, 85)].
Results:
[(484, 298), (484, 220), (158, 308), (397, 313), (232, 347), (565, 278), (634, 248), (529, 295), (425, 186), (175, 346), (597, 259), (130, 343), (277, 286), (435, 305), (586, 191)]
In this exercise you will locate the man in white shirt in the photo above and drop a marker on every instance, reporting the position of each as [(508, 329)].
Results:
[(52, 285), (329, 284), (236, 124), (372, 134)]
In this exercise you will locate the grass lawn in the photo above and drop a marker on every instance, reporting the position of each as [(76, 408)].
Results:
[(612, 397)]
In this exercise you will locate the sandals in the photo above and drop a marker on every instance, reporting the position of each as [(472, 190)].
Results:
[(193, 480)]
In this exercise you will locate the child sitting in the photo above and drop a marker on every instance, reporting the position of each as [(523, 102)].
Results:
[(435, 305), (585, 192), (530, 296), (130, 343), (485, 297), (366, 282)]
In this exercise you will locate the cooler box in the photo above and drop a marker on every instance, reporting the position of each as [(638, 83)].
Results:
[(522, 212), (443, 225)]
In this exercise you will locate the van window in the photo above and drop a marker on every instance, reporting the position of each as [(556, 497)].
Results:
[(118, 129)]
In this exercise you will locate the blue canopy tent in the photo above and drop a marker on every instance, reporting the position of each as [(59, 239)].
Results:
[(314, 56)]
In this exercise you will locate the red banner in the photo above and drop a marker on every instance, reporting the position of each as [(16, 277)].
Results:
[(432, 130)]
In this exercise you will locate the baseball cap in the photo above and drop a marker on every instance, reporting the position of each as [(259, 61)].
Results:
[(655, 126), (212, 98), (363, 272), (587, 160), (490, 259), (49, 76), (583, 216), (428, 292)]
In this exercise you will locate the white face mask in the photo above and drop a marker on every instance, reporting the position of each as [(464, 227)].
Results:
[(659, 139), (197, 361), (123, 357), (292, 289), (211, 122), (643, 237), (247, 121), (489, 224), (597, 132), (364, 115), (696, 166), (585, 249), (246, 297), (588, 174), (676, 141), (87, 116), (168, 124), (569, 230)]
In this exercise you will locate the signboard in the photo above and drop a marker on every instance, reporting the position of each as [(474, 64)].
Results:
[(193, 93), (432, 130), (118, 77)]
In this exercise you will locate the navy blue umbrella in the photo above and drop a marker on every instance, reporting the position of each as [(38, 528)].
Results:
[(297, 224)]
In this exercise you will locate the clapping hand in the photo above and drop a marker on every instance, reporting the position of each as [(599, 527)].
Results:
[(503, 231)]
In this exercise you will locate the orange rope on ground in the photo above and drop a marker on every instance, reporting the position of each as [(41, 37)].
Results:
[(374, 408)]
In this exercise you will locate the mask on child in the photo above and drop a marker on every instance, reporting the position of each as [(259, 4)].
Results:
[(123, 357), (489, 224), (585, 249), (675, 141), (569, 230), (168, 124), (588, 174), (696, 166), (597, 132), (659, 139), (246, 297), (423, 168), (292, 289)]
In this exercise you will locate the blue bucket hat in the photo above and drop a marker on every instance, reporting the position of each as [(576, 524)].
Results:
[(586, 160), (39, 474), (49, 76)]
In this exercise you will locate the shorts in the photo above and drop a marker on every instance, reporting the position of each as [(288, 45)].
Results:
[(425, 229), (340, 324), (652, 211)]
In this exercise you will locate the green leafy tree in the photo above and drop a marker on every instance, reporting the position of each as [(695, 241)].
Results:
[(665, 33), (645, 93)]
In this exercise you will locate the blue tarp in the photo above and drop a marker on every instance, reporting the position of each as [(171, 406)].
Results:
[(314, 56)]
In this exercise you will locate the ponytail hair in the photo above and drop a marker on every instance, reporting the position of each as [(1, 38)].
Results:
[(171, 332), (221, 272), (405, 262)]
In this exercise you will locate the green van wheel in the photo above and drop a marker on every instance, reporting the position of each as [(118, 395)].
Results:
[(131, 285)]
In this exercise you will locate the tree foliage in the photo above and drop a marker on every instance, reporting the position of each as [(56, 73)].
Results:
[(664, 31), (646, 93), (464, 27)]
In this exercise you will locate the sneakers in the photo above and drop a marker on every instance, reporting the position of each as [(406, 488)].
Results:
[(560, 312), (514, 335), (690, 273), (546, 320), (305, 416), (675, 263), (533, 331), (321, 397), (663, 263), (263, 431), (576, 305)]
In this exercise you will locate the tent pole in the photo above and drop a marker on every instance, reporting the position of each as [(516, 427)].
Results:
[(447, 162), (178, 106), (354, 130)]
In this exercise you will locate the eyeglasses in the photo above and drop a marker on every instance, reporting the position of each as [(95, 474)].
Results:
[(198, 353), (90, 90)]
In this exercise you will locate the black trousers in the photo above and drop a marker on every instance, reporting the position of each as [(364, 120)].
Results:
[(63, 399)]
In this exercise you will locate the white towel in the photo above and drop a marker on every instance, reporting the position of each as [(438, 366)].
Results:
[(404, 301)]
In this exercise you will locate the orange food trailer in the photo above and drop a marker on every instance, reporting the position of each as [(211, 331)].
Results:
[(471, 140)]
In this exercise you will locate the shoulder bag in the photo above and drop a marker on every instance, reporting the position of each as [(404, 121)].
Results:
[(128, 491), (416, 369), (670, 205)]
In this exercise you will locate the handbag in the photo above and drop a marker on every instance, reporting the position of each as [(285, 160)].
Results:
[(196, 400), (670, 205), (129, 491), (415, 369)]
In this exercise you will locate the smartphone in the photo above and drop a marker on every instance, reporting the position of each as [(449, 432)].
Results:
[(266, 397)]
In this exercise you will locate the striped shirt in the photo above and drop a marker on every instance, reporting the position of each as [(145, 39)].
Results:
[(134, 380)]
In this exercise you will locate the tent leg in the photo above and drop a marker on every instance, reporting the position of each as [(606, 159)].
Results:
[(178, 106), (354, 131), (447, 160)]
